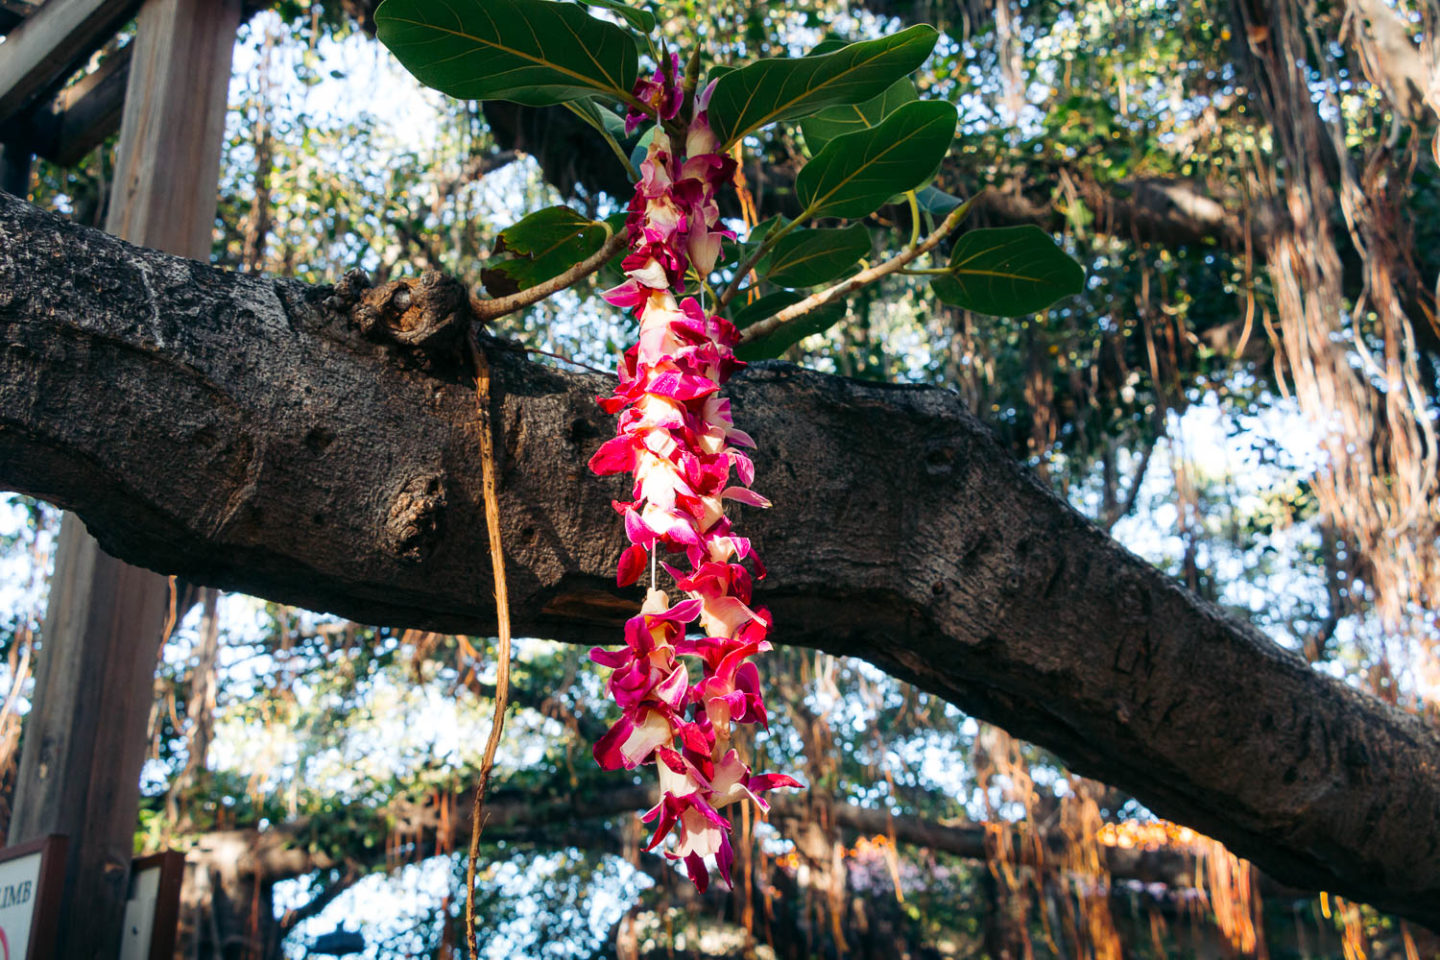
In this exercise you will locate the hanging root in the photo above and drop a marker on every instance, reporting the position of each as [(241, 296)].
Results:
[(502, 615)]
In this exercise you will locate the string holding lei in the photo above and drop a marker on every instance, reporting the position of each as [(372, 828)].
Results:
[(676, 437)]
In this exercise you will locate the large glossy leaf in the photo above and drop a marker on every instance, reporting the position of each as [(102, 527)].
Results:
[(789, 334), (835, 122), (766, 306), (642, 20), (855, 174), (808, 257), (769, 91), (1008, 272), (601, 118), (642, 147), (535, 52), (542, 245), (828, 45)]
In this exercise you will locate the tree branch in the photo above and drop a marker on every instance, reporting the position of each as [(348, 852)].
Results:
[(492, 309), (864, 278), (242, 431), (288, 850)]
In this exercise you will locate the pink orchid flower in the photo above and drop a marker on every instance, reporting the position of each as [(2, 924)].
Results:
[(677, 438)]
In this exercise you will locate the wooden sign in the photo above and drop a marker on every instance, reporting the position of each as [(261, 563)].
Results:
[(152, 911), (32, 881)]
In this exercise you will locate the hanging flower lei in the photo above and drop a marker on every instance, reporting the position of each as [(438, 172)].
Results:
[(677, 438)]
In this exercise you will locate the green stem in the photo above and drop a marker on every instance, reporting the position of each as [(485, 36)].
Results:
[(924, 271), (914, 217), (896, 264), (765, 247)]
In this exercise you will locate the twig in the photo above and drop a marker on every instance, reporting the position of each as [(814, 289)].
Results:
[(914, 239), (562, 357), (502, 616), (766, 245), (863, 278), (491, 309)]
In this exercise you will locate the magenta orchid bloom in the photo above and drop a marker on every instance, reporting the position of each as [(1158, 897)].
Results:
[(676, 437), (661, 93)]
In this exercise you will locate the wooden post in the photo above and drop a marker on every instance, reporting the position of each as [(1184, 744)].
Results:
[(168, 162), (85, 739), (15, 170), (85, 736)]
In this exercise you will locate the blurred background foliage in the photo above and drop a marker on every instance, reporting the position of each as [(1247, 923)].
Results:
[(319, 771)]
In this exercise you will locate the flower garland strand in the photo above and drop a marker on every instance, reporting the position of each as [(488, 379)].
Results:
[(677, 438)]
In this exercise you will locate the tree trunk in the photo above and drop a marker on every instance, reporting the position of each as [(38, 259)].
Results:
[(317, 446)]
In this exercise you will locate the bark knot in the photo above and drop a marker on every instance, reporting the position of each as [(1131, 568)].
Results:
[(413, 524), (429, 313)]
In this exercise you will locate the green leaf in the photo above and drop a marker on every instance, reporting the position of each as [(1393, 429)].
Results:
[(766, 306), (1008, 272), (789, 334), (642, 20), (761, 230), (533, 52), (828, 45), (769, 91), (835, 122), (601, 118), (809, 257), (641, 150), (543, 245), (936, 202), (855, 174)]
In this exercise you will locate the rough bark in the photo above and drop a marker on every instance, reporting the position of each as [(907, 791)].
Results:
[(242, 432)]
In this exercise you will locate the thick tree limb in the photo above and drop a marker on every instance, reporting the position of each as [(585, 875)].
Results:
[(1173, 212), (242, 432)]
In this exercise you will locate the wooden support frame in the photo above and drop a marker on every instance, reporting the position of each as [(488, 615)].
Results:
[(15, 163), (80, 116), (50, 43), (12, 14), (85, 740)]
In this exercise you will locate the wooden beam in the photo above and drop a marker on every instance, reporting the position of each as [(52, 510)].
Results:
[(13, 12), (80, 117), (85, 739), (52, 43), (15, 163)]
